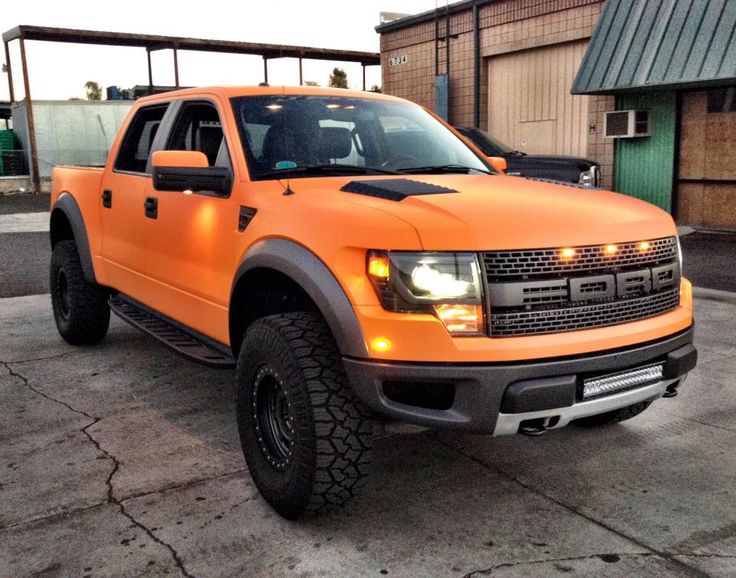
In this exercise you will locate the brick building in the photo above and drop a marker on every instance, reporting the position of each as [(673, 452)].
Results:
[(528, 53), (540, 75)]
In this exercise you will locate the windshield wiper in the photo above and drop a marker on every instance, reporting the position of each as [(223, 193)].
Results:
[(442, 169), (327, 169)]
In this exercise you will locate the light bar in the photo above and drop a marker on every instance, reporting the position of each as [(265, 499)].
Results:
[(608, 384)]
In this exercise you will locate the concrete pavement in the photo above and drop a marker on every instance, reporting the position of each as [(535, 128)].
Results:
[(123, 460)]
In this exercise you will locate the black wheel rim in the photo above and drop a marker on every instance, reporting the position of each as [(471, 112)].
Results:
[(62, 294), (273, 418)]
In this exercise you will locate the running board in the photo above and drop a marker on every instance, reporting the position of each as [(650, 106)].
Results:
[(172, 334)]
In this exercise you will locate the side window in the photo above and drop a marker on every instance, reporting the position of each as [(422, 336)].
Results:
[(137, 142), (198, 128)]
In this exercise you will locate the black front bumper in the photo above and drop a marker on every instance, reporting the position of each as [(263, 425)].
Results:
[(481, 392)]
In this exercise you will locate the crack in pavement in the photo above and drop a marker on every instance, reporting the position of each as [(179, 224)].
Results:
[(135, 496), (706, 424), (42, 394), (57, 515), (182, 485), (111, 499), (54, 356), (527, 486), (488, 571)]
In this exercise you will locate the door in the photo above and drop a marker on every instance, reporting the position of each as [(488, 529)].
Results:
[(190, 242), (123, 220), (530, 107)]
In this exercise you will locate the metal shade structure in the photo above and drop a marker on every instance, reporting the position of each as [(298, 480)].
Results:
[(654, 44), (150, 43)]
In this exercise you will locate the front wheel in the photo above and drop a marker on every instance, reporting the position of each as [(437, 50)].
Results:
[(306, 438)]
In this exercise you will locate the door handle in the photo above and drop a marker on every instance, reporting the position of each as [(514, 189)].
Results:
[(151, 206), (107, 198)]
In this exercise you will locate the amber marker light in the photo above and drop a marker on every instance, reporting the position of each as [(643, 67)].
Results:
[(380, 344), (644, 246), (461, 319), (567, 253), (611, 249), (378, 266)]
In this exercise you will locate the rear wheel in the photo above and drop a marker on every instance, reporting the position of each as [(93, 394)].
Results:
[(80, 308), (305, 437), (614, 416)]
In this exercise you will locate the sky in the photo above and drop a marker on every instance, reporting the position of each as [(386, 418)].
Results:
[(59, 71)]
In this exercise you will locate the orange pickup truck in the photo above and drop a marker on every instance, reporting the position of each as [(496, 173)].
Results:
[(356, 260)]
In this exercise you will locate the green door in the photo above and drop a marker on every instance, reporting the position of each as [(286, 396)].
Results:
[(645, 166)]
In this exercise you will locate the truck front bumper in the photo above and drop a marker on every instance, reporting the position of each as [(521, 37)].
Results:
[(499, 398)]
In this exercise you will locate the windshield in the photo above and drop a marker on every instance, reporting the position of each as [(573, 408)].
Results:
[(302, 136), (495, 143)]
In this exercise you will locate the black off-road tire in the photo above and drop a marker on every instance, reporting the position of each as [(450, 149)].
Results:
[(615, 416), (324, 452), (81, 311)]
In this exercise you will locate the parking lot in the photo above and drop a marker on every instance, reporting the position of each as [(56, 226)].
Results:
[(123, 459)]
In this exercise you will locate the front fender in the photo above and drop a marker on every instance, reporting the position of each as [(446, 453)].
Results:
[(312, 275)]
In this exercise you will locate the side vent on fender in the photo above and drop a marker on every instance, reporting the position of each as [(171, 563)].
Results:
[(245, 217)]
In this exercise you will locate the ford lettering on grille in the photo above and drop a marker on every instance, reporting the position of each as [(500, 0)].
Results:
[(537, 291)]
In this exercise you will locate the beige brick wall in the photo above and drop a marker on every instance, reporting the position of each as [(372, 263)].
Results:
[(506, 26)]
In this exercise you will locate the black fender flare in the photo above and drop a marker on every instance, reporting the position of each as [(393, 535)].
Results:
[(67, 205), (312, 275)]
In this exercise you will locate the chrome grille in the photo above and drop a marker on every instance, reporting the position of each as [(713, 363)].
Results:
[(534, 292), (591, 258)]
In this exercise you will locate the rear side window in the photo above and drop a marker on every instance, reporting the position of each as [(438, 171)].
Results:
[(137, 143)]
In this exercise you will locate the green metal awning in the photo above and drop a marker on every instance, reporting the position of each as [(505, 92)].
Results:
[(643, 44)]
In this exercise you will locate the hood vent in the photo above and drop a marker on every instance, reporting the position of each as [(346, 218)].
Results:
[(394, 189)]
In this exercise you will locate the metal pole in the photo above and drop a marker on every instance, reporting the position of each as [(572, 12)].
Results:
[(476, 65), (447, 44), (436, 42), (363, 65), (265, 70), (150, 72), (35, 175), (10, 73), (447, 58), (176, 67), (301, 73)]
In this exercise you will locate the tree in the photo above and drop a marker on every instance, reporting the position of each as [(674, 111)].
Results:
[(311, 83), (93, 90), (376, 88), (338, 78)]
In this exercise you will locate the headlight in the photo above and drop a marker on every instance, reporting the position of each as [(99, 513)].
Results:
[(589, 178), (447, 285)]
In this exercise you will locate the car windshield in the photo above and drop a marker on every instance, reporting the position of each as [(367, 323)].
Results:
[(497, 144), (305, 135)]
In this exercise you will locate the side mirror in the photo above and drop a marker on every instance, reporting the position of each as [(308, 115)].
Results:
[(189, 171), (498, 164)]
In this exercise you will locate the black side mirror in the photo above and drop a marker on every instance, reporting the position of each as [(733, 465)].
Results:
[(205, 180)]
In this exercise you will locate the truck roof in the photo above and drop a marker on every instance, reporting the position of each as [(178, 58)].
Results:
[(234, 91)]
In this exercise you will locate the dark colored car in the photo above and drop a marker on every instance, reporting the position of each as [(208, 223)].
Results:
[(559, 168)]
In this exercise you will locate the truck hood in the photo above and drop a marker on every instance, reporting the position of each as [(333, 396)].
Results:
[(490, 212), (577, 163)]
